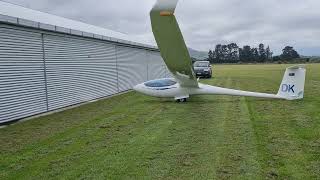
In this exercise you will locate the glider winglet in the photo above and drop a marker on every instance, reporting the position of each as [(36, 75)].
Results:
[(165, 6)]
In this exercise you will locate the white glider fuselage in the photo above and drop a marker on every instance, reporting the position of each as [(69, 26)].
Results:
[(291, 87), (177, 92)]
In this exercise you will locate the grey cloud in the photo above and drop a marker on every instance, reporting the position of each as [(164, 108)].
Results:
[(205, 23)]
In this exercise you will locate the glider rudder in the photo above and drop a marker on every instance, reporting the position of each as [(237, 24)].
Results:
[(292, 86)]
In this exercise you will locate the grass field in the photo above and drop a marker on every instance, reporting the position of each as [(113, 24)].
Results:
[(211, 137)]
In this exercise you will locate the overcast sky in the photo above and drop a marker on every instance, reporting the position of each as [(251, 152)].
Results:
[(204, 23)]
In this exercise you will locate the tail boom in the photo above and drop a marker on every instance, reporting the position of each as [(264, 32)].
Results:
[(208, 90), (291, 88)]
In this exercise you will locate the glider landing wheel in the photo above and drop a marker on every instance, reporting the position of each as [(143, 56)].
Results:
[(182, 100)]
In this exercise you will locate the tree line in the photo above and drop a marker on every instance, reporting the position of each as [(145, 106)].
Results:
[(232, 53)]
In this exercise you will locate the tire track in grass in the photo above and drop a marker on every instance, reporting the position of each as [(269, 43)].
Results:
[(191, 140), (174, 145), (280, 151), (237, 148), (302, 130), (178, 143), (210, 136), (267, 133), (194, 153)]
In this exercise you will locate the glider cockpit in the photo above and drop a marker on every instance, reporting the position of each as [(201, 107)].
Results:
[(159, 83)]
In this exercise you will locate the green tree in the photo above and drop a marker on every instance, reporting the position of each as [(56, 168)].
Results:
[(269, 53), (225, 54), (288, 53), (218, 53), (240, 54), (245, 54), (255, 57), (233, 56), (262, 53), (276, 58), (210, 56)]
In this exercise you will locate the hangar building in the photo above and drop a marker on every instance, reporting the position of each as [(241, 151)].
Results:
[(49, 62)]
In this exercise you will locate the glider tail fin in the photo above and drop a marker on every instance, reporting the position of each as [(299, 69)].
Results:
[(292, 86)]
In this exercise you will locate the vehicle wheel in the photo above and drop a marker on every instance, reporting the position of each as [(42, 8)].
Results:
[(181, 100)]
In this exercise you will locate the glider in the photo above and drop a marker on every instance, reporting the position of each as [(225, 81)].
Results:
[(184, 82)]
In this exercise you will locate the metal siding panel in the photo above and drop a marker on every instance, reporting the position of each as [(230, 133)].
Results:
[(78, 70), (22, 87), (156, 66), (98, 36), (106, 38), (62, 29), (47, 27), (167, 72), (132, 67), (86, 34), (8, 19), (26, 22), (76, 32)]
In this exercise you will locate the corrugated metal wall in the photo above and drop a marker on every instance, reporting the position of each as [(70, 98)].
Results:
[(78, 70), (156, 66), (132, 67), (22, 84), (41, 71)]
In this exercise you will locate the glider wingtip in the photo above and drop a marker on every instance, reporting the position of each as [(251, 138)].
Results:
[(166, 7)]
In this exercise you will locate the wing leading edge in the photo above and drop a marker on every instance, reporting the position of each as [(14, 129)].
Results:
[(171, 43)]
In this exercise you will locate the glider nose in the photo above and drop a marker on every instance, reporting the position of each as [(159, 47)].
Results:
[(135, 87), (138, 88)]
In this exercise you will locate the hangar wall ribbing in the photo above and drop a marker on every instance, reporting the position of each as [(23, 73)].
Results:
[(78, 70), (42, 71), (22, 82)]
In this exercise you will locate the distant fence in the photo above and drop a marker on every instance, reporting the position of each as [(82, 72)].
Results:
[(42, 71)]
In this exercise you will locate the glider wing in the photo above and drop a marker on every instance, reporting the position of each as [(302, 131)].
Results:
[(171, 43)]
